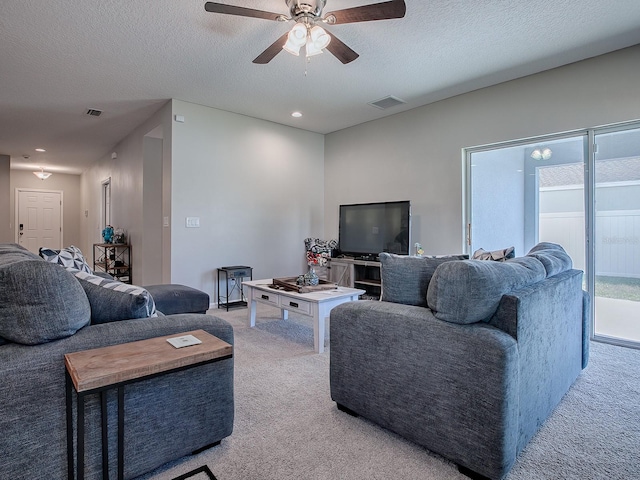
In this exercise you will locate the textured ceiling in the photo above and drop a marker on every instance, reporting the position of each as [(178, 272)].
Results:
[(128, 57)]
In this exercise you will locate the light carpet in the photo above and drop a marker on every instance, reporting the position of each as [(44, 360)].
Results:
[(287, 427)]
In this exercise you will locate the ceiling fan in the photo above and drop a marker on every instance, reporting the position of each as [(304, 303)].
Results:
[(307, 15)]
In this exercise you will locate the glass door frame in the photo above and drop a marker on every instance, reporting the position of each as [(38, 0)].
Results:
[(591, 211), (467, 186), (590, 150)]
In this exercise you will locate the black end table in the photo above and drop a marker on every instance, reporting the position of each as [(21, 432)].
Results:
[(235, 273)]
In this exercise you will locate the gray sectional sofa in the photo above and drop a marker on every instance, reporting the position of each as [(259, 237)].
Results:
[(464, 357), (45, 312)]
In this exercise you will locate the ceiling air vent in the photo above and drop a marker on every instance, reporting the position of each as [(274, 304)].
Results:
[(387, 102), (94, 112)]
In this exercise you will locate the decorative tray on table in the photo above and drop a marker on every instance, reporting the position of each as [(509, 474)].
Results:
[(289, 284)]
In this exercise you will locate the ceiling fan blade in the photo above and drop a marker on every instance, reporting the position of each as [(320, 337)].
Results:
[(368, 13), (271, 51), (241, 11), (338, 48)]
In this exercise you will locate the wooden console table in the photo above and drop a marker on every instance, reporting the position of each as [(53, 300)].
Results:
[(101, 369)]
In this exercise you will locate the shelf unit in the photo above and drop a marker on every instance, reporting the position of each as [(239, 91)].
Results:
[(114, 259), (352, 273)]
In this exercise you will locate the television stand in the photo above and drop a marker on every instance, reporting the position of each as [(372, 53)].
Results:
[(368, 258), (357, 273)]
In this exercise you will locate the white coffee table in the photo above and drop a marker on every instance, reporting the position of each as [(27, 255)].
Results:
[(316, 305)]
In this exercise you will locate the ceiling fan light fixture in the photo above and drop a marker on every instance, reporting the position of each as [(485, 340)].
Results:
[(296, 39), (317, 41)]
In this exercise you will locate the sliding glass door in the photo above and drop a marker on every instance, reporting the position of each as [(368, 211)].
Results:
[(581, 191), (617, 236), (527, 193)]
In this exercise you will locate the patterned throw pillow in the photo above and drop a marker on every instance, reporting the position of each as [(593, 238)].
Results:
[(69, 257), (495, 255), (111, 300)]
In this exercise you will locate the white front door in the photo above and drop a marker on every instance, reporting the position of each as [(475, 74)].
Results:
[(39, 219)]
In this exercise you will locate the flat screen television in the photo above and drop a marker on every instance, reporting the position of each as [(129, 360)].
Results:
[(367, 229)]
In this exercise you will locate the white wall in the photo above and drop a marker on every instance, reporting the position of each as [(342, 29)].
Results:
[(257, 188), (70, 187), (6, 232), (126, 173), (417, 155), (152, 210)]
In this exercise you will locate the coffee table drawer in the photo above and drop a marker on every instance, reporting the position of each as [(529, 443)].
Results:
[(267, 297), (295, 305)]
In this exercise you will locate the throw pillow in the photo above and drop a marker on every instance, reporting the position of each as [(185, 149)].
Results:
[(470, 291), (111, 300), (496, 255), (405, 279), (40, 302), (69, 257)]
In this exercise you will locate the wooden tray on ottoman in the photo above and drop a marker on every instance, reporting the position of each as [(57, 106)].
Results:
[(289, 283)]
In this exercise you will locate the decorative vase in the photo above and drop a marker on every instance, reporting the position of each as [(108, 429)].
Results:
[(107, 234), (311, 277)]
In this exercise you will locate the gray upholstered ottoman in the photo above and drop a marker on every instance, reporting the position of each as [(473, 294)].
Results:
[(171, 299)]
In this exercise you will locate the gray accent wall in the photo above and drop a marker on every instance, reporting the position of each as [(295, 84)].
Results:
[(417, 155)]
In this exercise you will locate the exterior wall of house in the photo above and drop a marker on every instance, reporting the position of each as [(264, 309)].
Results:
[(417, 155)]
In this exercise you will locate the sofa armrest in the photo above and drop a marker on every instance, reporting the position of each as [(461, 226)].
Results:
[(449, 387), (549, 323)]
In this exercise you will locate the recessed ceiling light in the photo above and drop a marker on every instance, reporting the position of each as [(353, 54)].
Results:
[(40, 150), (296, 114)]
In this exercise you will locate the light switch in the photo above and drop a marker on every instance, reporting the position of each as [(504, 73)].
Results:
[(165, 221), (193, 222)]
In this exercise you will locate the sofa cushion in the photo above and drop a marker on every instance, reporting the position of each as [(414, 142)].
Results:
[(405, 279), (554, 258), (173, 298), (469, 291), (40, 302), (111, 300), (68, 257)]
